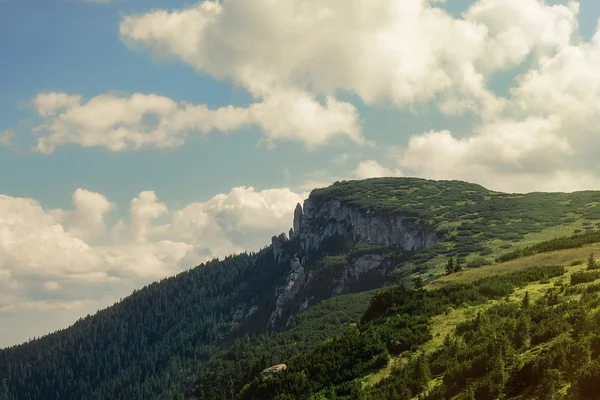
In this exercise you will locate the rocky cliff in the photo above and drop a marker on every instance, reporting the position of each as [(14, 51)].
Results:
[(313, 224), (307, 253)]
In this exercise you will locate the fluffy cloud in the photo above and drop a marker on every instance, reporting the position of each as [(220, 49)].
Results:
[(512, 156), (41, 248), (6, 138), (545, 138), (239, 220), (123, 123), (87, 220), (372, 169), (404, 52), (566, 88), (515, 28)]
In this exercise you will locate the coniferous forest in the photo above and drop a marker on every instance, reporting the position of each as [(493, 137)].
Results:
[(149, 343)]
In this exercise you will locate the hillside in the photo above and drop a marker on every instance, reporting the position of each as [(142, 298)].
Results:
[(516, 330), (214, 327)]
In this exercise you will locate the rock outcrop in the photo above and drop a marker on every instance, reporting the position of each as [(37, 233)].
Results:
[(309, 281), (293, 283), (314, 224), (274, 370), (298, 218), (358, 267), (277, 244)]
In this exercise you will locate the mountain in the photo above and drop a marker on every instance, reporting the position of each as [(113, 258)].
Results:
[(212, 329), (518, 330)]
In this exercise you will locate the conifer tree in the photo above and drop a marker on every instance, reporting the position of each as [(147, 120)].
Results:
[(4, 394), (422, 375), (450, 266), (526, 301), (591, 262), (522, 337), (418, 282), (457, 265)]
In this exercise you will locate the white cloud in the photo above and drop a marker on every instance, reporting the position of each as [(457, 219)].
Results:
[(512, 156), (404, 52), (298, 116), (144, 209), (125, 123), (122, 123), (51, 285), (545, 138), (372, 169), (48, 248), (87, 220), (6, 138), (241, 219), (45, 305), (50, 104), (515, 28)]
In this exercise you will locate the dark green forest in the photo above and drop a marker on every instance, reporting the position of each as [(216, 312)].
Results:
[(150, 343)]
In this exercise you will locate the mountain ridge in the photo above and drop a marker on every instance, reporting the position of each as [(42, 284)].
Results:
[(329, 254)]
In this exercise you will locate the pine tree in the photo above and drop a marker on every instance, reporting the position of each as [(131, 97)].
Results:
[(457, 266), (418, 282), (450, 266), (526, 301), (422, 375), (4, 394), (522, 338), (591, 262), (549, 385)]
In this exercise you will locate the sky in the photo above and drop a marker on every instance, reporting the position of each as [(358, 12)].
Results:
[(140, 138)]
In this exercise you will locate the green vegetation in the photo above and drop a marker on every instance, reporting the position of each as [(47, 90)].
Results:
[(584, 277), (453, 266), (151, 342), (591, 262), (560, 243), (205, 330), (229, 369), (398, 322), (475, 222)]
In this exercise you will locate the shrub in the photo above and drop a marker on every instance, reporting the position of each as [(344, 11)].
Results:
[(584, 277), (478, 262)]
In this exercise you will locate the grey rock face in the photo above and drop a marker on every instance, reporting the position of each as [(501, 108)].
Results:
[(293, 283), (298, 218), (333, 218), (313, 225), (365, 264), (277, 243), (357, 268), (274, 370)]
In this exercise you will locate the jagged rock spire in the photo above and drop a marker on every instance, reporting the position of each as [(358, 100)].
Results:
[(277, 243), (298, 218)]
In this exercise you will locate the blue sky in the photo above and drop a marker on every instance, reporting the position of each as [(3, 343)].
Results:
[(74, 47), (487, 126)]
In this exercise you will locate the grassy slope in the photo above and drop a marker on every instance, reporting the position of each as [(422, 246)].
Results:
[(446, 324), (560, 257), (477, 222)]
